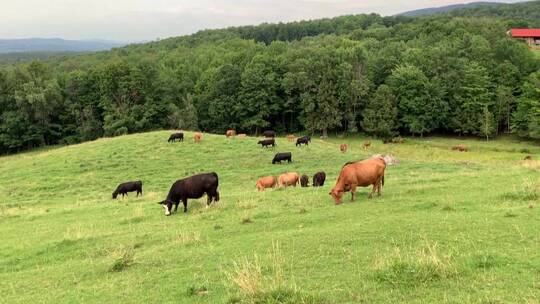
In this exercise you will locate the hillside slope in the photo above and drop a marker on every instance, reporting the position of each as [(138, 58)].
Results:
[(448, 223), (446, 9), (54, 45)]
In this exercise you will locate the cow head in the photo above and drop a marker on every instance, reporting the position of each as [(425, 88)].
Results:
[(336, 194), (114, 194), (167, 205)]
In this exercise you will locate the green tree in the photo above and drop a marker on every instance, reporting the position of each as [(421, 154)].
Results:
[(380, 114)]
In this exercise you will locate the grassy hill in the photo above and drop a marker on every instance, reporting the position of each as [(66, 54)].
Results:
[(450, 226)]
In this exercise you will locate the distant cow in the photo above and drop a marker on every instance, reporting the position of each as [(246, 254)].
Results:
[(528, 157), (366, 145), (197, 137), (286, 156), (303, 141), (288, 179), (291, 137), (191, 187), (175, 136), (230, 133), (269, 134), (242, 135), (343, 148), (304, 181), (266, 182), (267, 142), (362, 173), (318, 179), (124, 188), (460, 148)]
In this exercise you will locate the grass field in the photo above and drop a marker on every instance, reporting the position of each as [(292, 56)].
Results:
[(450, 227)]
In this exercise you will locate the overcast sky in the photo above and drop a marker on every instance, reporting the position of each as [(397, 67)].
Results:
[(138, 20)]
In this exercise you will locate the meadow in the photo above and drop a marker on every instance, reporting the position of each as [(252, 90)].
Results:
[(450, 227)]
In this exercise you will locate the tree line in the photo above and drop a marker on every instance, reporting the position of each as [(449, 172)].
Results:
[(382, 76)]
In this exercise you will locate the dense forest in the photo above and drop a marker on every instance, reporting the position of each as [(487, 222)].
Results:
[(382, 76)]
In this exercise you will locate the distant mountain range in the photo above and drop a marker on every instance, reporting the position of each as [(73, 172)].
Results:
[(448, 8), (55, 45)]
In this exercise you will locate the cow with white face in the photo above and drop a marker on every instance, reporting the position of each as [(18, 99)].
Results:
[(191, 187)]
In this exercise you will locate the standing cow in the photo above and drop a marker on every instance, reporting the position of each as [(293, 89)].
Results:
[(266, 182), (175, 136), (318, 179), (265, 143), (279, 157), (363, 173), (230, 133), (288, 179), (191, 187), (269, 134), (304, 181), (303, 141), (197, 137), (343, 148), (126, 187)]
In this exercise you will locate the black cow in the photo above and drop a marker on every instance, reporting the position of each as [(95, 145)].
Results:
[(267, 142), (175, 136), (269, 134), (303, 141), (191, 187), (287, 156), (126, 187), (318, 179), (304, 181)]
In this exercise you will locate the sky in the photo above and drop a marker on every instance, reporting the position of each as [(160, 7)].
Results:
[(143, 20)]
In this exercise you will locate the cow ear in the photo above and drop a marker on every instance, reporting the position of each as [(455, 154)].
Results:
[(161, 203)]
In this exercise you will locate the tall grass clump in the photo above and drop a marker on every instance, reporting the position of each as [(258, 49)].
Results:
[(124, 258), (419, 267)]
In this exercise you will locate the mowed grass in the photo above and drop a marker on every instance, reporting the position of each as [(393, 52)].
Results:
[(450, 227)]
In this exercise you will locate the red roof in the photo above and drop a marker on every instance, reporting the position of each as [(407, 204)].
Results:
[(525, 33)]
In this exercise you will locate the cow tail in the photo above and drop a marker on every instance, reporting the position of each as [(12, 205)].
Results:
[(383, 180)]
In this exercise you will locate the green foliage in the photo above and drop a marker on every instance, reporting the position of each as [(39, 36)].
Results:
[(380, 114), (311, 76), (527, 115)]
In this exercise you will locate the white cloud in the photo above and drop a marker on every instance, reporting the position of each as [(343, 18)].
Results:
[(134, 20)]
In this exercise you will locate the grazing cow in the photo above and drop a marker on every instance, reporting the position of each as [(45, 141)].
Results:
[(286, 156), (363, 173), (366, 145), (398, 140), (267, 142), (191, 187), (343, 148), (290, 137), (304, 181), (266, 182), (318, 179), (175, 136), (242, 135), (230, 133), (460, 148), (528, 157), (269, 134), (389, 159), (303, 141), (197, 137), (124, 188), (288, 179)]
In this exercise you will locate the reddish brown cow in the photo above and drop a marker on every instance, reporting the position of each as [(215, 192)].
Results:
[(343, 148), (291, 137), (266, 182), (366, 145), (230, 133), (242, 135), (363, 173), (197, 137), (460, 148), (288, 179)]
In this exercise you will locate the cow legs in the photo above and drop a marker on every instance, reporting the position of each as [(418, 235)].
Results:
[(353, 193), (184, 201), (373, 190), (209, 199), (175, 207)]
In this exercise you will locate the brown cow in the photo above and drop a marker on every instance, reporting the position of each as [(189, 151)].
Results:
[(366, 145), (266, 182), (363, 173), (460, 148), (291, 137), (343, 148), (197, 137), (288, 179), (230, 133), (242, 135)]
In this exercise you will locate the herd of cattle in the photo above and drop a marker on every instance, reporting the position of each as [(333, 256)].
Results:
[(364, 173)]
